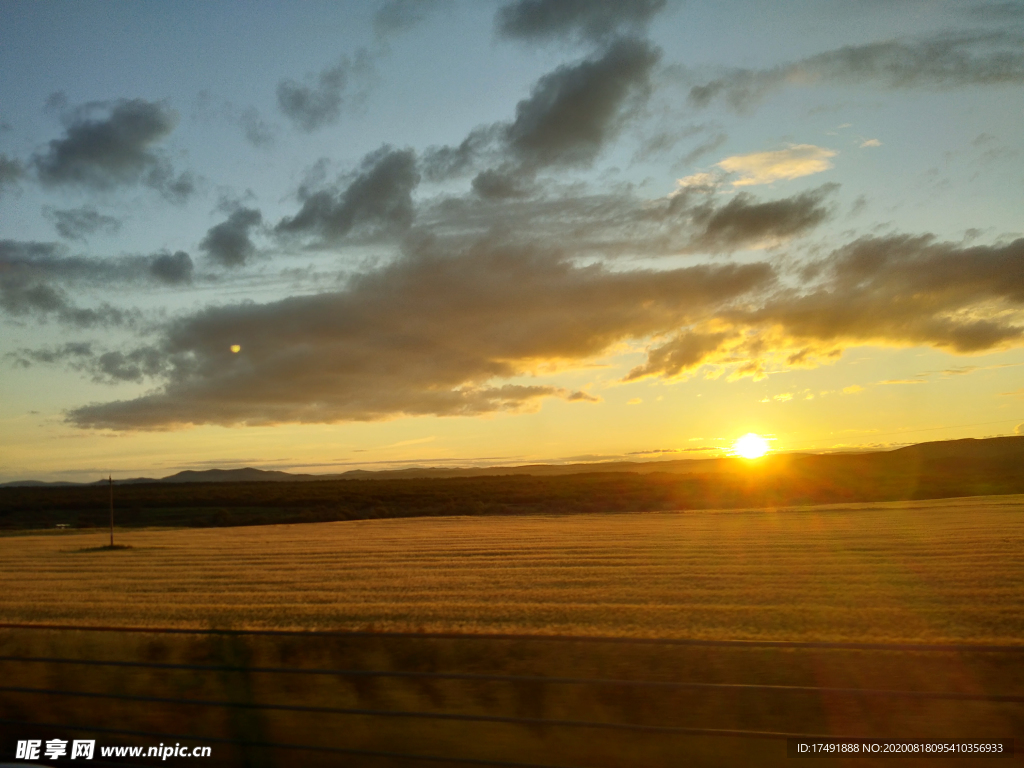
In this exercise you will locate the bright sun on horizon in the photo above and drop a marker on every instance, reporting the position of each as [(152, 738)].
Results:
[(750, 446)]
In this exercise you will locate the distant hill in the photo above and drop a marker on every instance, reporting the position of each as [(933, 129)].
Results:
[(999, 449), (246, 475), (256, 497)]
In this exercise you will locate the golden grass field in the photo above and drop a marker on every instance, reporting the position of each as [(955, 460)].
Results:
[(949, 571), (930, 571)]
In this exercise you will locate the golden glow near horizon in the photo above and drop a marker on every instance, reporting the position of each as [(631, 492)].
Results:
[(750, 446), (236, 348)]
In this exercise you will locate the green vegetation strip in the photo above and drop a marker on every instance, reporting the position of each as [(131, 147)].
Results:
[(943, 647), (668, 684)]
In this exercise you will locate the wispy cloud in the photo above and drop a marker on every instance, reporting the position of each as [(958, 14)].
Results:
[(766, 167)]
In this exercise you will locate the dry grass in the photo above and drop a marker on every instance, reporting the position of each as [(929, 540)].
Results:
[(932, 571), (941, 571)]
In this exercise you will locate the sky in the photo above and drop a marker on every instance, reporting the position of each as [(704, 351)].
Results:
[(324, 236)]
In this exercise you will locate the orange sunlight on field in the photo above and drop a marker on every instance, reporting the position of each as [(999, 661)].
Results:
[(929, 571)]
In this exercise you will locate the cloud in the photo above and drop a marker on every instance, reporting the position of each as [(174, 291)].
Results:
[(25, 299), (692, 220), (766, 167), (26, 358), (433, 333), (320, 102), (112, 367), (573, 111), (11, 172), (581, 20), (571, 114), (111, 144), (900, 290), (909, 290), (745, 222), (1005, 11), (35, 279), (684, 353), (402, 15), (228, 243), (702, 179), (257, 131), (171, 268), (26, 260), (704, 148), (942, 61), (79, 223), (870, 143), (377, 201), (495, 184)]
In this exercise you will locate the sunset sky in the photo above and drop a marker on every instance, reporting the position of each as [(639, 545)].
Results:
[(322, 236)]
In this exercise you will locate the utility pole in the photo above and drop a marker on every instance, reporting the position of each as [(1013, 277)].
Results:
[(111, 479)]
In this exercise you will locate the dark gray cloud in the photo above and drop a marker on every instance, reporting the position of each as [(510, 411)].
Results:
[(899, 290), (581, 20), (26, 358), (434, 333), (111, 367), (39, 279), (171, 268), (11, 172), (441, 163), (911, 290), (944, 61), (377, 201), (396, 16), (229, 243), (502, 184), (743, 221), (321, 100), (111, 144), (622, 224), (571, 114), (41, 301), (51, 262), (79, 223), (573, 111)]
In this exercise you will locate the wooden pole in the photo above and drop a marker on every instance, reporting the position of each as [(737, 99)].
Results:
[(111, 479)]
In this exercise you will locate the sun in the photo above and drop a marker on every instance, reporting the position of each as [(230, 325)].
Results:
[(750, 446)]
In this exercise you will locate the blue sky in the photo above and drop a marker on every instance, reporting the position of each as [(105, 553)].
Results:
[(447, 232)]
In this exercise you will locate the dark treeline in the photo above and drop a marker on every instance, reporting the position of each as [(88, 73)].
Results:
[(930, 470)]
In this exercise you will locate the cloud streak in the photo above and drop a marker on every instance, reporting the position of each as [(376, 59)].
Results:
[(592, 21), (35, 279), (943, 61), (782, 164), (321, 100), (79, 223)]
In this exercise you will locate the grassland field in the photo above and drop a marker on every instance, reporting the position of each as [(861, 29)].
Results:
[(935, 571), (942, 571)]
